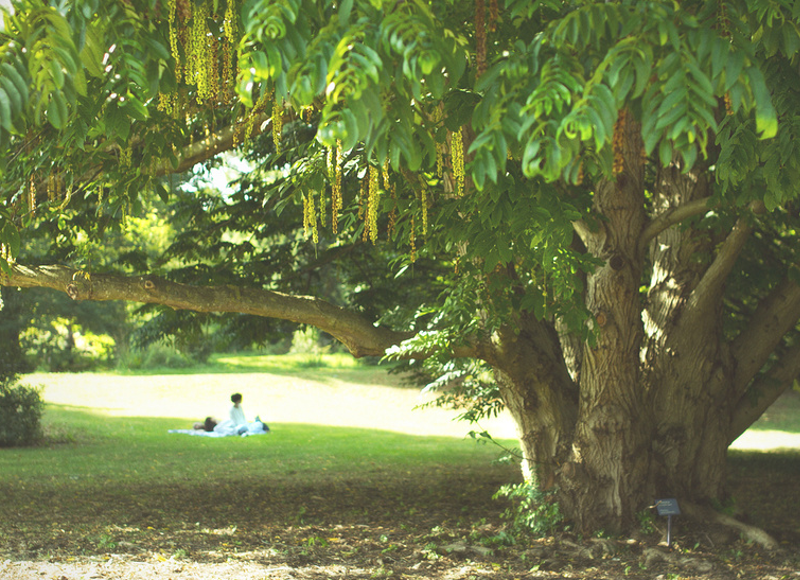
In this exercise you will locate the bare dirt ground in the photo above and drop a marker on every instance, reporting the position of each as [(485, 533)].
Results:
[(443, 526)]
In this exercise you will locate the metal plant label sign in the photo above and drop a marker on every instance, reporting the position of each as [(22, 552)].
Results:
[(668, 507)]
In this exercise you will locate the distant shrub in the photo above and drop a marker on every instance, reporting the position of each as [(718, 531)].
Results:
[(306, 342), (63, 345), (157, 355), (21, 409)]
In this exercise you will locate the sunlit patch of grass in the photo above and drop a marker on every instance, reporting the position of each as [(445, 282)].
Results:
[(286, 362), (783, 415)]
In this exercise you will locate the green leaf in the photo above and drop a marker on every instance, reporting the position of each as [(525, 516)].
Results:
[(672, 99), (345, 7), (665, 152), (93, 51), (13, 95), (530, 156), (57, 110), (5, 111), (11, 73), (733, 68), (689, 157), (643, 71), (719, 56), (135, 108), (57, 74), (766, 118)]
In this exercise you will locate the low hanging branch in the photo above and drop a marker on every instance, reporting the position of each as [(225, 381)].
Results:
[(357, 333), (216, 143)]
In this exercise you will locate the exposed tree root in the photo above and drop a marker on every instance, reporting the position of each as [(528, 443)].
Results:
[(750, 533)]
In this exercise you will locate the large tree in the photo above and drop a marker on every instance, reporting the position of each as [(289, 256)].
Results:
[(604, 193)]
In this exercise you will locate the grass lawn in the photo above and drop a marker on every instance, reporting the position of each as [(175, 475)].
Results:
[(346, 449), (352, 482)]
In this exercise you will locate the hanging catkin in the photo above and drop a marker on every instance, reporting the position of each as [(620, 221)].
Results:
[(277, 125), (457, 156), (336, 186), (372, 203), (412, 241), (230, 27)]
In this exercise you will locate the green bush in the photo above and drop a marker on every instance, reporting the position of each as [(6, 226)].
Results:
[(532, 511), (21, 409)]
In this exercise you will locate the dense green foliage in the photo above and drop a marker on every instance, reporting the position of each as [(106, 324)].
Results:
[(534, 89), (21, 410)]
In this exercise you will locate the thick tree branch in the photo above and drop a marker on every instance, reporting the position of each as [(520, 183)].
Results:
[(710, 287), (670, 218), (776, 315), (356, 332), (214, 144), (764, 391)]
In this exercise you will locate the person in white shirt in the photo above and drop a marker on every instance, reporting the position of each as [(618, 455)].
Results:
[(237, 423), (236, 414)]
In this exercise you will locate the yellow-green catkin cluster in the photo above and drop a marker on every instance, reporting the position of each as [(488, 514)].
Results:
[(389, 186), (32, 195), (249, 122), (424, 202), (172, 7), (363, 188), (202, 59), (437, 119), (457, 156), (277, 125), (230, 27), (125, 156), (53, 187), (197, 67), (335, 178), (310, 217), (373, 200), (412, 241)]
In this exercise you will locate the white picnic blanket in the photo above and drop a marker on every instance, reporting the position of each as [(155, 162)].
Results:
[(226, 429), (201, 433)]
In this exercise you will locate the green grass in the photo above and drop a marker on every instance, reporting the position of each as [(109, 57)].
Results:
[(91, 445), (108, 426), (111, 478)]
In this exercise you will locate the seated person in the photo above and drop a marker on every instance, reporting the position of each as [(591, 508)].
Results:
[(237, 424)]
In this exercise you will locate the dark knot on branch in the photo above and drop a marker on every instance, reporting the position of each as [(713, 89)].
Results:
[(80, 289)]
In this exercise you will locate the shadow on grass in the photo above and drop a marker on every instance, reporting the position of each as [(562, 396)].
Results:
[(764, 486)]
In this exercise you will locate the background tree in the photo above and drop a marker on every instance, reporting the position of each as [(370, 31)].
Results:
[(610, 186)]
